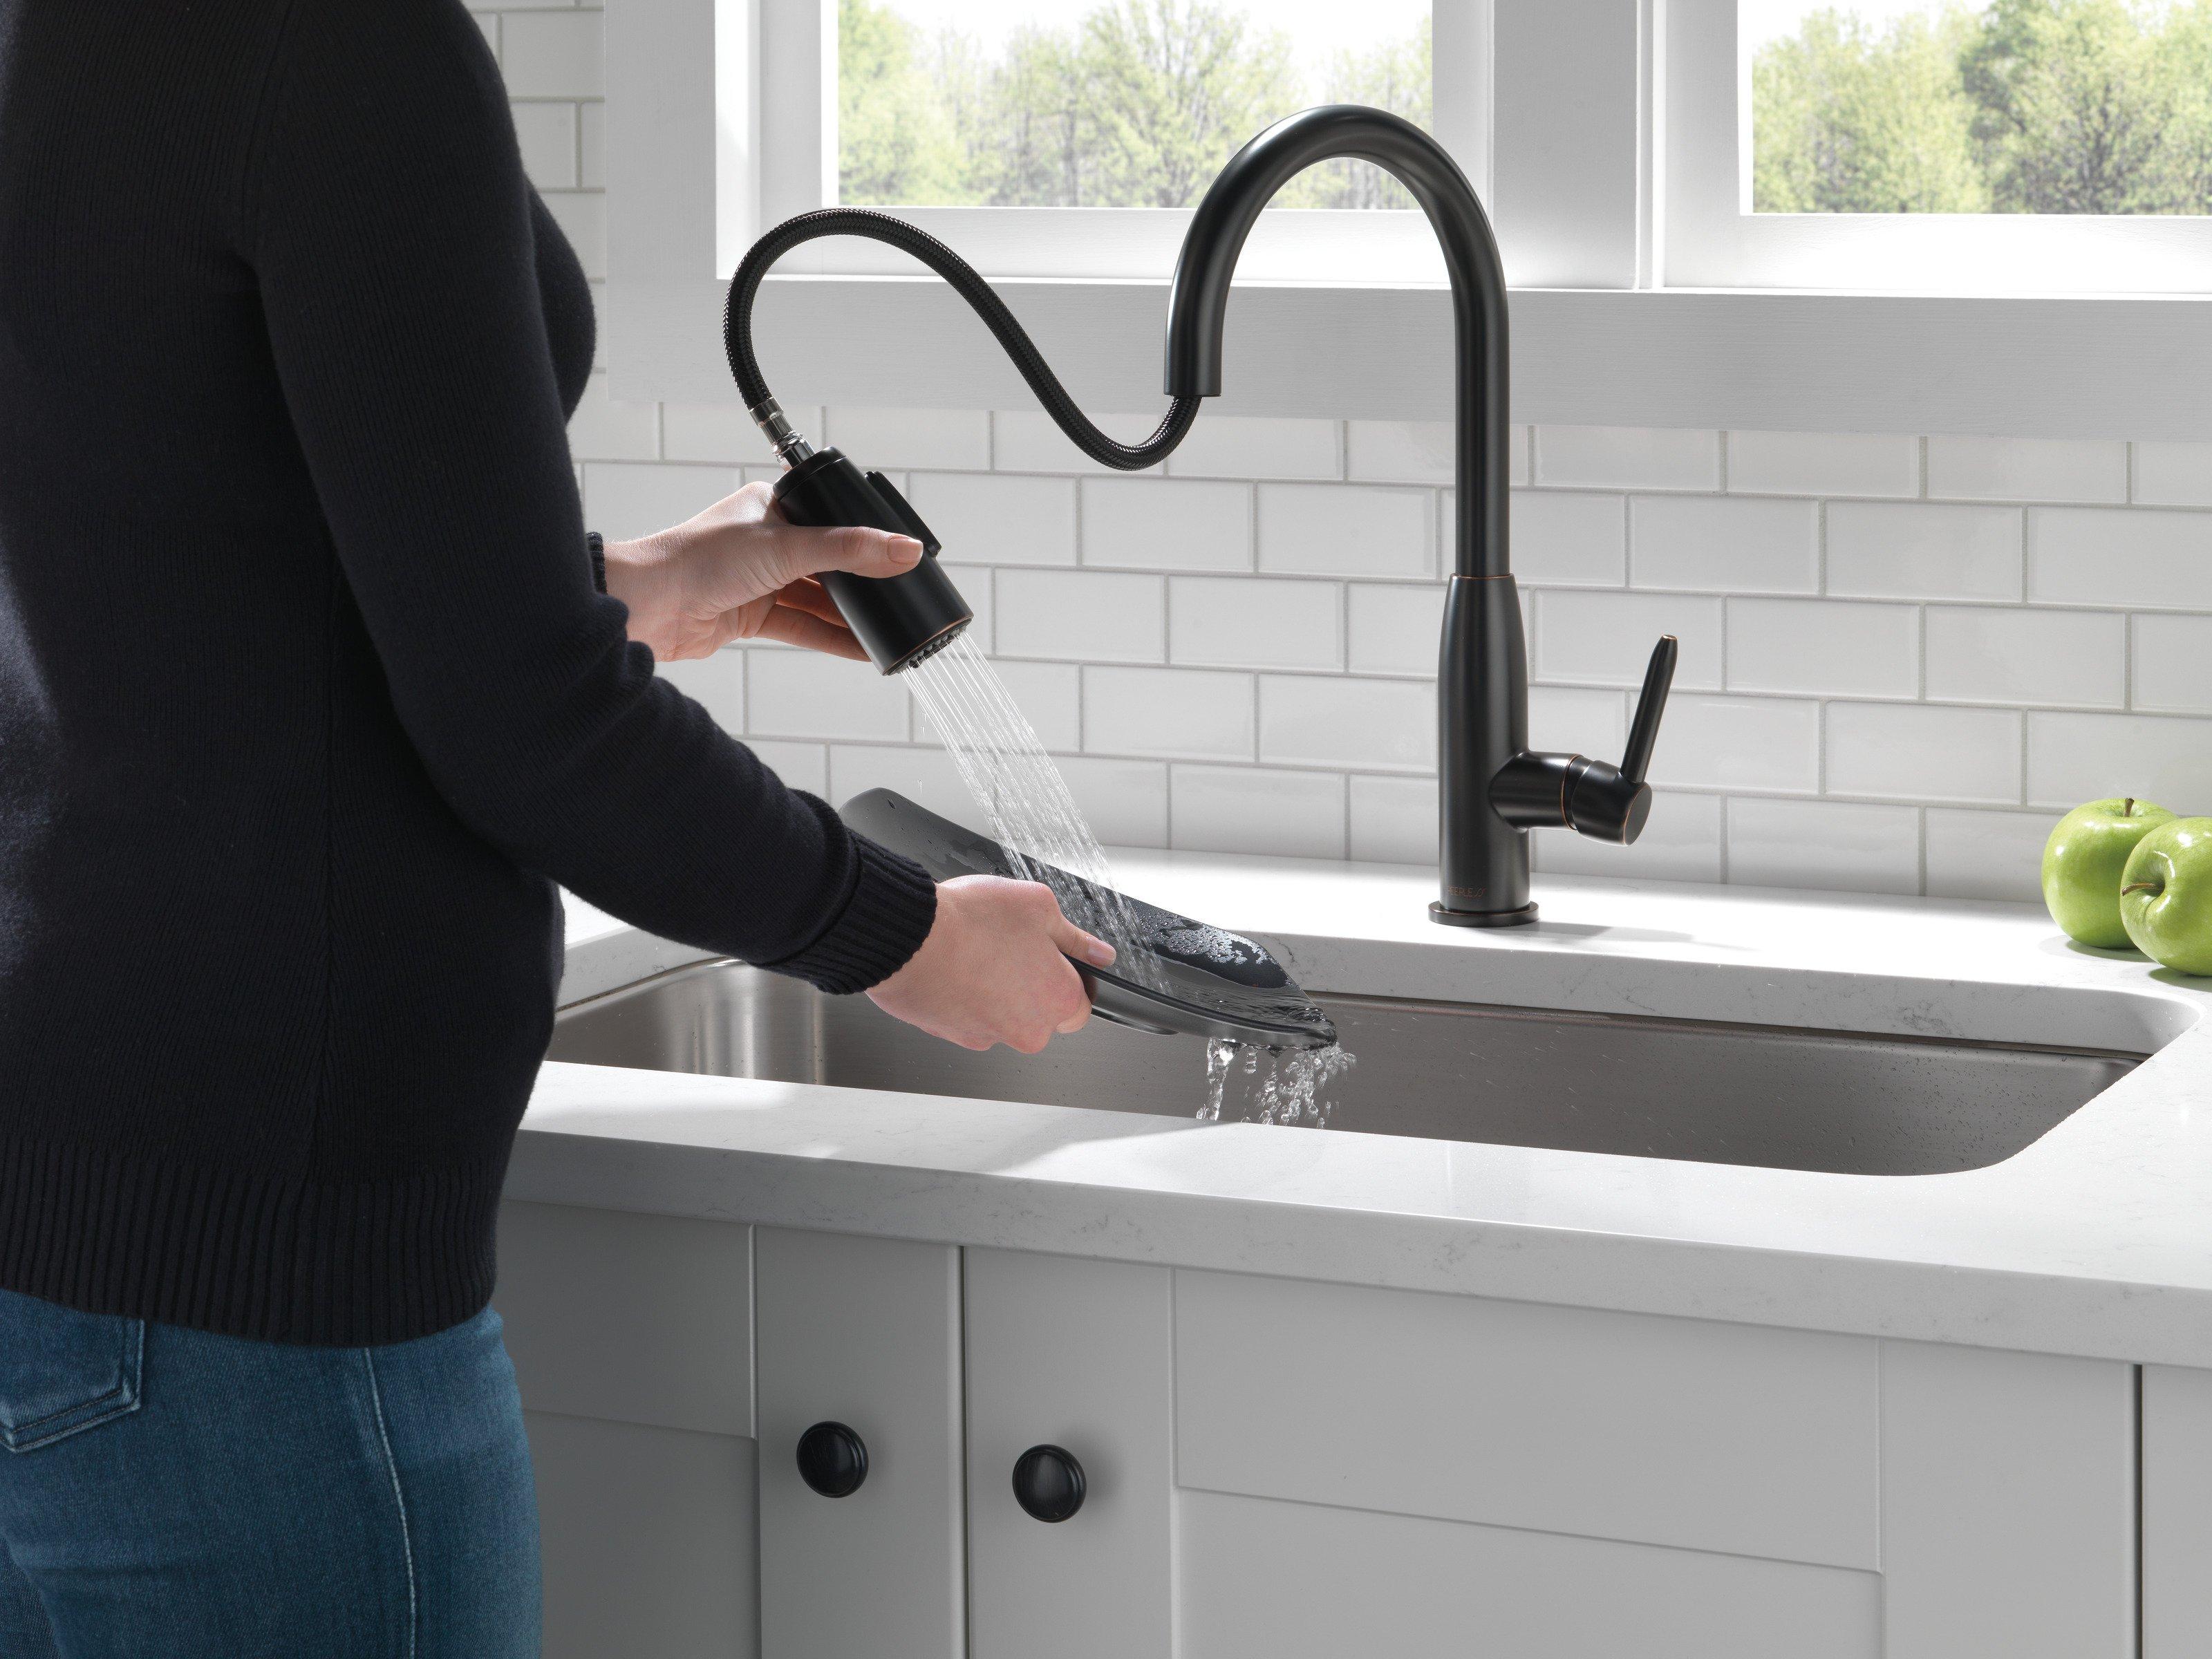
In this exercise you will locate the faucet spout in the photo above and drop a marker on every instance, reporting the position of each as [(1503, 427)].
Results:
[(1491, 788)]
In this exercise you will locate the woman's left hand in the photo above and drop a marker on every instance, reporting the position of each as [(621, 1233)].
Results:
[(739, 572)]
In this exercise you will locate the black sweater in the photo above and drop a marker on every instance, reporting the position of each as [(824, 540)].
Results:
[(306, 698)]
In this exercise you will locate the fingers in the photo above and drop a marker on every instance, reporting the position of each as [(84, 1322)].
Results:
[(808, 595), (1072, 941), (795, 627)]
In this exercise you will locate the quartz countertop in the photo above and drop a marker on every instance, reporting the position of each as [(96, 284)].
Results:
[(2096, 1239)]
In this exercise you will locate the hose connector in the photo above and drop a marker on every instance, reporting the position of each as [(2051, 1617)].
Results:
[(790, 448)]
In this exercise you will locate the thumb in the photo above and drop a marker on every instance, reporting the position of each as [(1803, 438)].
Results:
[(805, 550), (1072, 941)]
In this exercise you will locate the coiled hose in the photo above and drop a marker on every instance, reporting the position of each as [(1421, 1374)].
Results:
[(744, 286)]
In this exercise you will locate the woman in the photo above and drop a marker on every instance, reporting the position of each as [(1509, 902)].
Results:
[(307, 699)]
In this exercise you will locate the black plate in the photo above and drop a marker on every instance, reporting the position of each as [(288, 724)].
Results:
[(1200, 981)]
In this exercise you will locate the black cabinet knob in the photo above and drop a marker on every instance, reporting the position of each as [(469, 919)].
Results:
[(1049, 1483), (833, 1460)]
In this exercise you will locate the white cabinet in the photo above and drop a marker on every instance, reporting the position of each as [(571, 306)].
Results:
[(863, 1332), (1279, 1469), (2177, 1512)]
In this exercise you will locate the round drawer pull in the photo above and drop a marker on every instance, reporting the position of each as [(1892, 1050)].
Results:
[(833, 1460), (1049, 1483)]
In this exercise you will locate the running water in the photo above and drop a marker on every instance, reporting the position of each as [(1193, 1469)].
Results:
[(1035, 817)]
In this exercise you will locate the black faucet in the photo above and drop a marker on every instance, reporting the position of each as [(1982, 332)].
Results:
[(1492, 788)]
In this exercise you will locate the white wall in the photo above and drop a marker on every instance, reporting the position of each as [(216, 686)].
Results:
[(1902, 657)]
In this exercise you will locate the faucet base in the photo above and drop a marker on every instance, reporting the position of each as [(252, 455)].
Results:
[(1526, 913)]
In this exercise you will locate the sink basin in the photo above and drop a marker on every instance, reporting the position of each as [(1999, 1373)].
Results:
[(1840, 1101)]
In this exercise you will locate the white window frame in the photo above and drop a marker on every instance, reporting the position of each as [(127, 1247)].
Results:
[(1713, 238), (1607, 329), (796, 163)]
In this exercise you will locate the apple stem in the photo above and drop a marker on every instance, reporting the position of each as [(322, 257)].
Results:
[(2128, 807), (2139, 887)]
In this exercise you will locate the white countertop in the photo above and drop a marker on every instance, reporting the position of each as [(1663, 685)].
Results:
[(2096, 1239)]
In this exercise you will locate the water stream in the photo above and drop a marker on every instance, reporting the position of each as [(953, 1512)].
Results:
[(1034, 817)]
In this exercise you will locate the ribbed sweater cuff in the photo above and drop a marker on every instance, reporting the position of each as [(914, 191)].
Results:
[(892, 906)]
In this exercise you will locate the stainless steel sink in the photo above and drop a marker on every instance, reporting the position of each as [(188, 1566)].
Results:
[(1596, 1083)]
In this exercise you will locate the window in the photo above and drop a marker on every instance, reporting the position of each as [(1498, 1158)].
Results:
[(1071, 138), (2018, 146)]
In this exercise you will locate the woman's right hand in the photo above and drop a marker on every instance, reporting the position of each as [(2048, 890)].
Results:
[(995, 968)]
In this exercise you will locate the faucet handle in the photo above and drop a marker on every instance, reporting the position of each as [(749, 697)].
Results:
[(1611, 802), (1651, 704)]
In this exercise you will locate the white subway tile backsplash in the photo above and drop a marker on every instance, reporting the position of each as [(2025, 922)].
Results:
[(1029, 441), (1909, 751), (1574, 721), (1417, 451), (1395, 629), (1125, 800), (2173, 664), (1738, 743), (2148, 559), (591, 146), (623, 500), (724, 432), (488, 22), (879, 439), (925, 776), (1606, 639), (1346, 529), (1220, 808), (1563, 538), (1627, 457), (1082, 616), (1824, 843), (800, 765), (1393, 820), (1835, 646), (2075, 659), (1823, 464), (1157, 524), (1182, 713), (1251, 621), (1718, 545), (1682, 841), (716, 684), (547, 136), (1986, 855), (1923, 550), (2072, 758), (2028, 469), (803, 694), (1250, 446), (1380, 726), (2173, 474), (602, 429), (988, 519), (551, 54)]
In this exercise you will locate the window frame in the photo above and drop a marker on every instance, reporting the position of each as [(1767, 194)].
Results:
[(1713, 238)]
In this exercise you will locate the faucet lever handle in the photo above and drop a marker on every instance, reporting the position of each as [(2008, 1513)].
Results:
[(1651, 704)]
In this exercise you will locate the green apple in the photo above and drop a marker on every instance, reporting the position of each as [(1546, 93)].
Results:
[(2083, 863), (2165, 896)]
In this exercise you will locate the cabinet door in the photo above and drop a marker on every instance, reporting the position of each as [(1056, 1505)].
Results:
[(632, 1341), (1077, 1355), (2177, 1512), (863, 1332)]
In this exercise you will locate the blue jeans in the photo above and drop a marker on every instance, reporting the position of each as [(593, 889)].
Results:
[(167, 1494)]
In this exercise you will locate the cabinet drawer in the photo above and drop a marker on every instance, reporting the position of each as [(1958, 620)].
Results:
[(864, 1332), (1705, 1437)]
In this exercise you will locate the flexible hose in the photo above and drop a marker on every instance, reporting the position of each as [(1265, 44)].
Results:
[(744, 286)]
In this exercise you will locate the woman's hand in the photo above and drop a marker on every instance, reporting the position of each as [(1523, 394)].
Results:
[(739, 572), (995, 968)]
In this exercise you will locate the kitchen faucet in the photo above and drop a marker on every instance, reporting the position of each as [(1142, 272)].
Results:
[(1492, 788)]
